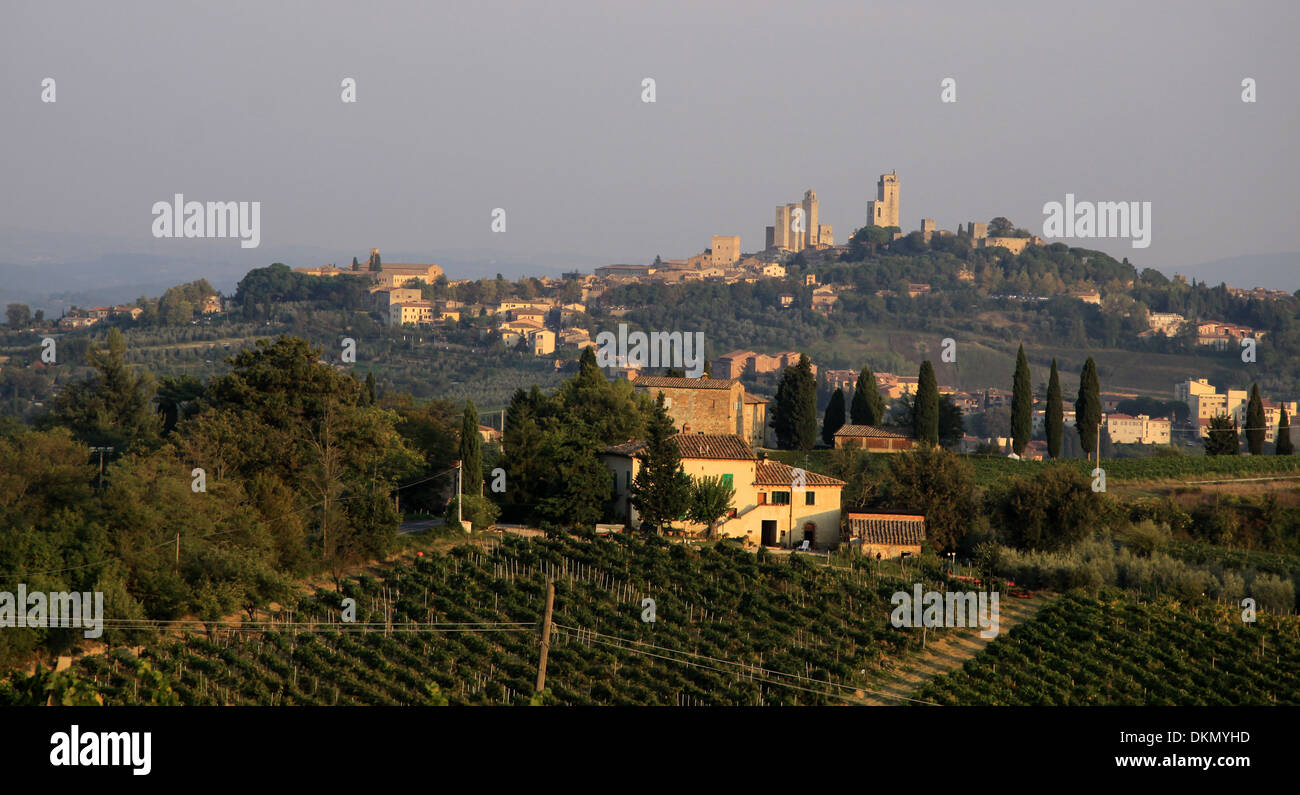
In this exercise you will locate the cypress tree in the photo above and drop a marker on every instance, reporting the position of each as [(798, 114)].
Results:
[(783, 410), (926, 406), (867, 408), (1022, 404), (834, 417), (1087, 409), (1256, 428), (471, 452), (1284, 445), (371, 391), (805, 405), (1054, 422)]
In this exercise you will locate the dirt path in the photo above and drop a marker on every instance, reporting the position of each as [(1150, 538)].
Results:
[(948, 653)]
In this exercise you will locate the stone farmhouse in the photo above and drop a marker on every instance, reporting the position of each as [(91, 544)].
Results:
[(774, 505), (709, 405)]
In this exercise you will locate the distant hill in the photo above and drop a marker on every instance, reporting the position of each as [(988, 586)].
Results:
[(1273, 271)]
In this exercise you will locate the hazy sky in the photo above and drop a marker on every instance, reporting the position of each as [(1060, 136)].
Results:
[(536, 108)]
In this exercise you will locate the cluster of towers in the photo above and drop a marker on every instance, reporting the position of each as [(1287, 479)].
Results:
[(797, 226)]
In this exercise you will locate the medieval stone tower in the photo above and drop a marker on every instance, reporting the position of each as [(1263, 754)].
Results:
[(884, 210)]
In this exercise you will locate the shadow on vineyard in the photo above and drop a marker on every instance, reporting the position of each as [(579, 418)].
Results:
[(730, 628), (1119, 651)]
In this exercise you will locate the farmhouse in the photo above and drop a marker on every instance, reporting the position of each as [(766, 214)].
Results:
[(709, 405), (774, 505)]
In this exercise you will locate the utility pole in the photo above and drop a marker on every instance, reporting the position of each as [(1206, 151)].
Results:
[(459, 521), (546, 636), (101, 451)]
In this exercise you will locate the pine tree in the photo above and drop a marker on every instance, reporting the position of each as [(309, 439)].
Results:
[(1087, 409), (833, 420), (867, 408), (1284, 444), (1054, 422), (471, 452), (1022, 404), (1222, 437), (1256, 424), (661, 490), (926, 412)]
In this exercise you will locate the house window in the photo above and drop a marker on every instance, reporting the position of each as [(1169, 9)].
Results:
[(627, 479), (809, 498), (780, 498)]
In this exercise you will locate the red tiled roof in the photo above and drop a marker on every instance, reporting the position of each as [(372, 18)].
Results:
[(872, 431), (888, 528), (722, 446), (666, 382), (774, 473)]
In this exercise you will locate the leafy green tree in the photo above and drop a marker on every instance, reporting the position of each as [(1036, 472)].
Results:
[(711, 498), (1222, 438), (114, 406), (1022, 404), (868, 408), (178, 399), (471, 451), (661, 490), (1284, 443), (926, 425), (1000, 227), (833, 419), (937, 483), (1053, 509), (19, 315), (1256, 424), (1054, 421), (1087, 409)]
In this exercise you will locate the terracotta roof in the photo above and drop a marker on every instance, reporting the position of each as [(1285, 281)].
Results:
[(748, 398), (888, 528), (869, 430), (721, 446), (706, 445), (774, 473), (665, 382)]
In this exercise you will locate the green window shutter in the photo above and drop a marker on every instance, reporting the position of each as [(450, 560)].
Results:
[(726, 479)]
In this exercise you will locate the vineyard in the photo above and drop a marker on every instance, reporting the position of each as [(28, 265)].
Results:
[(993, 469), (731, 628), (1082, 651)]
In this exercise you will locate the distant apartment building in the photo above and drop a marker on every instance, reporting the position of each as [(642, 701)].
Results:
[(1272, 415), (1224, 335), (410, 313), (1127, 429), (385, 297), (1166, 323)]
